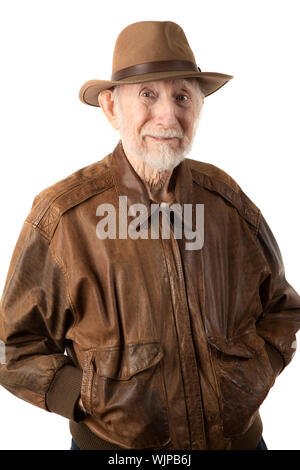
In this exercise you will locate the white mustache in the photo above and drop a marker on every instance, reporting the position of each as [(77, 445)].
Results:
[(164, 134)]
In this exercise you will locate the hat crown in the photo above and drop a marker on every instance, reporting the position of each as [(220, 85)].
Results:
[(150, 41)]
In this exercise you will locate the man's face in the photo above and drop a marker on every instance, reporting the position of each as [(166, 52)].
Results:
[(158, 120)]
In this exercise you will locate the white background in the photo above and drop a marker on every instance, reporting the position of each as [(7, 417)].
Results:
[(249, 128)]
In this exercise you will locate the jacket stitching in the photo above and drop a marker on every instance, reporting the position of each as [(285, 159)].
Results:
[(52, 200), (55, 215), (230, 194)]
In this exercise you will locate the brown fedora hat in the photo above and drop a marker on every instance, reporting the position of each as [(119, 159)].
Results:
[(152, 50)]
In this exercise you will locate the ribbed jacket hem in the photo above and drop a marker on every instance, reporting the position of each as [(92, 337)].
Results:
[(87, 440)]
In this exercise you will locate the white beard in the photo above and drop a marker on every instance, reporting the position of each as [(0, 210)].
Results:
[(164, 157)]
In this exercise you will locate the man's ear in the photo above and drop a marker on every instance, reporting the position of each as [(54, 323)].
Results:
[(106, 102)]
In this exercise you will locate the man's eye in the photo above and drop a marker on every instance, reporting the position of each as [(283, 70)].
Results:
[(150, 93), (184, 96)]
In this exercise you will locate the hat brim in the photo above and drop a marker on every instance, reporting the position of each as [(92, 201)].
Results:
[(209, 83)]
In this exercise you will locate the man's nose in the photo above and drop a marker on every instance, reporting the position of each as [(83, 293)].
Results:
[(166, 113)]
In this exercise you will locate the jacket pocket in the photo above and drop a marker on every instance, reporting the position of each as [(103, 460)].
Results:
[(123, 388), (244, 376)]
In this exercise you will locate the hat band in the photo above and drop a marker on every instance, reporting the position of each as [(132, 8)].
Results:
[(150, 67)]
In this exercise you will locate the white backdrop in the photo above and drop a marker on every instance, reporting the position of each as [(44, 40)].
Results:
[(249, 128)]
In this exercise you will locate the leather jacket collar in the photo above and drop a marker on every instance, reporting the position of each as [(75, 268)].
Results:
[(128, 183)]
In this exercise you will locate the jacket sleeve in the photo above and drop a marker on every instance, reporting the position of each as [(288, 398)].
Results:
[(35, 315), (280, 318)]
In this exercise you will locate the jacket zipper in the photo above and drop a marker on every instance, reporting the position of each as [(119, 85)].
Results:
[(217, 387), (182, 283), (183, 299)]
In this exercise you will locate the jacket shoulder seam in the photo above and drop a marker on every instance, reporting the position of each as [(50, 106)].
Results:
[(227, 187), (45, 217)]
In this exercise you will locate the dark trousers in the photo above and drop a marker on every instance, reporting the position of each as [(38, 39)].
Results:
[(261, 445)]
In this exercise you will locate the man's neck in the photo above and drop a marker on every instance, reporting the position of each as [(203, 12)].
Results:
[(156, 182)]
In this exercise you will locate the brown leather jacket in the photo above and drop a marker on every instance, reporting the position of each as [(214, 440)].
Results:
[(170, 348)]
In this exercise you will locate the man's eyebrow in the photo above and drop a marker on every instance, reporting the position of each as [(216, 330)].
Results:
[(186, 88), (187, 85)]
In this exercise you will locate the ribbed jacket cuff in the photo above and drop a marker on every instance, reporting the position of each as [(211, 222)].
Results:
[(64, 392)]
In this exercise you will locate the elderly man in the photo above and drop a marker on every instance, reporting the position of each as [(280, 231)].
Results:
[(141, 340)]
